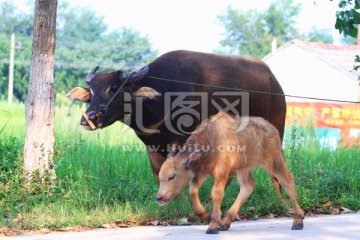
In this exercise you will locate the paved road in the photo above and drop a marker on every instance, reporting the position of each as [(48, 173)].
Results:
[(346, 226)]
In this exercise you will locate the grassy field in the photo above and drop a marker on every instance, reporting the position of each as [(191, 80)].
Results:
[(105, 175)]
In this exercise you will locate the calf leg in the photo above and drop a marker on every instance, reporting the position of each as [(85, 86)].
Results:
[(277, 186), (287, 181), (247, 186), (198, 208), (217, 194), (278, 190)]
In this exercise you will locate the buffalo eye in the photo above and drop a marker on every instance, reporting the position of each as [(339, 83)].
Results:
[(171, 177), (114, 88)]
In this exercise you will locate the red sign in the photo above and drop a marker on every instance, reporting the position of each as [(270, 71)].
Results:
[(343, 116)]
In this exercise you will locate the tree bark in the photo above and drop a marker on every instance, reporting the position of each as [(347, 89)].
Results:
[(40, 112)]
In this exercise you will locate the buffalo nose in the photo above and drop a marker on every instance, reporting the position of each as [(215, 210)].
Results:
[(92, 115), (158, 197)]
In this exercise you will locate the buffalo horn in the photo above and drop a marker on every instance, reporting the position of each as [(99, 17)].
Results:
[(140, 74), (124, 75), (91, 75)]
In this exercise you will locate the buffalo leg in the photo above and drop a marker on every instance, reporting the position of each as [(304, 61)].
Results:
[(156, 161)]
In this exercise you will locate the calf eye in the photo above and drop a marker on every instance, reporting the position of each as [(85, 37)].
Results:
[(171, 177)]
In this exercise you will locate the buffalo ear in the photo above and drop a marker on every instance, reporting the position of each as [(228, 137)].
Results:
[(194, 156), (80, 94), (147, 92)]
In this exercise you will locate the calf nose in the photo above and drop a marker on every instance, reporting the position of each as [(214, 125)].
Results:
[(158, 197)]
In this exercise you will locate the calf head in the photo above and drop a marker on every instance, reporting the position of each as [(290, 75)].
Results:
[(174, 174), (110, 95)]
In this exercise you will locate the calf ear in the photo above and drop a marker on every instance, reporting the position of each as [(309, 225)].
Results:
[(80, 94), (147, 92), (194, 156), (172, 153)]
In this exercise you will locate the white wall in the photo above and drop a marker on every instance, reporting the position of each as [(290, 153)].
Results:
[(301, 73)]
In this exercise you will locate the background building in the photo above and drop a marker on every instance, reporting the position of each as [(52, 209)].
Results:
[(325, 72)]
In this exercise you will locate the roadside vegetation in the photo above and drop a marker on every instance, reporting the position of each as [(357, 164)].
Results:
[(105, 177)]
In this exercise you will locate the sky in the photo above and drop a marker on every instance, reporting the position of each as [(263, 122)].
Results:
[(192, 24)]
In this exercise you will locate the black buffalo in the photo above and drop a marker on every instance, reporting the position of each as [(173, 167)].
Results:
[(197, 85)]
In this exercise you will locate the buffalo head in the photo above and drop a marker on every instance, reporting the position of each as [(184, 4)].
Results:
[(110, 95)]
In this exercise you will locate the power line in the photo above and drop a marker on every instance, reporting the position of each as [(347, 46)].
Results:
[(250, 91), (90, 65)]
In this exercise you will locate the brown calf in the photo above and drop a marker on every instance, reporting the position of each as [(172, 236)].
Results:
[(220, 148)]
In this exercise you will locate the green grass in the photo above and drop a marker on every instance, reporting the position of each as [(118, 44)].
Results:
[(100, 180)]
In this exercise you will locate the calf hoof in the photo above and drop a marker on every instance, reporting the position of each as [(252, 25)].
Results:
[(205, 216), (224, 227), (212, 231), (297, 226)]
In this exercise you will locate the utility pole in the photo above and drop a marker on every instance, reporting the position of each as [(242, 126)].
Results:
[(11, 69)]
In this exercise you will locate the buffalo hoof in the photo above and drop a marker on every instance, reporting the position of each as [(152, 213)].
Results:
[(212, 231), (224, 227), (297, 226)]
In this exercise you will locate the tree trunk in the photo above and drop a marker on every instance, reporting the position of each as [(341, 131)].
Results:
[(40, 112)]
